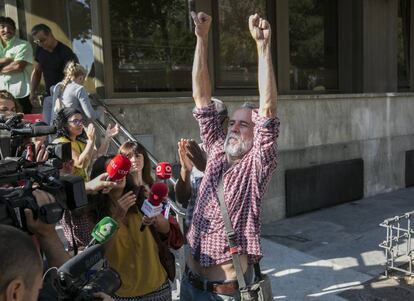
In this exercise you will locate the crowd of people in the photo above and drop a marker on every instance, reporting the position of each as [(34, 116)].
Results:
[(234, 162)]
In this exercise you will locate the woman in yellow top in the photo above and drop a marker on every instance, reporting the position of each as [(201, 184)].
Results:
[(70, 125), (136, 255)]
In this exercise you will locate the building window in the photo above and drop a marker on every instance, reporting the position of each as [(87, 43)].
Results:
[(403, 31), (152, 45), (2, 11), (313, 43), (80, 34), (235, 52)]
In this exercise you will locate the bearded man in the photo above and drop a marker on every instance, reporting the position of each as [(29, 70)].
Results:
[(244, 160)]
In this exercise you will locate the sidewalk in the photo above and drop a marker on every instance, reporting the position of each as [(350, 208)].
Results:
[(333, 254)]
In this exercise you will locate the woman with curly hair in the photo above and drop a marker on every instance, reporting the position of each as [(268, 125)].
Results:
[(70, 125), (141, 257)]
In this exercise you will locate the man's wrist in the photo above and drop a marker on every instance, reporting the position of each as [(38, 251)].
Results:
[(263, 48)]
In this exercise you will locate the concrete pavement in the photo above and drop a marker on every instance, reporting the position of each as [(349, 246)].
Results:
[(333, 255)]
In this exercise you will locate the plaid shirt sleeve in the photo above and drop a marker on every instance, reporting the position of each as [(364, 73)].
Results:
[(266, 132), (211, 131)]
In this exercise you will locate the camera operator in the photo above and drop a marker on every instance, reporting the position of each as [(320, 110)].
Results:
[(20, 265), (8, 104), (49, 243)]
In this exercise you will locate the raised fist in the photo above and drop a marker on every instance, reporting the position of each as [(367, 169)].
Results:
[(202, 23), (259, 29)]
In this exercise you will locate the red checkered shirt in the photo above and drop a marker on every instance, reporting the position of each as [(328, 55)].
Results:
[(244, 186)]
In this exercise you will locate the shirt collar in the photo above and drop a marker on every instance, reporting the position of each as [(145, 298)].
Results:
[(9, 42)]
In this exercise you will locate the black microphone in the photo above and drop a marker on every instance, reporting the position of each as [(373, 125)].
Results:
[(34, 131)]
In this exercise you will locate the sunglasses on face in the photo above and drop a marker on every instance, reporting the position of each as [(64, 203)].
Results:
[(77, 122)]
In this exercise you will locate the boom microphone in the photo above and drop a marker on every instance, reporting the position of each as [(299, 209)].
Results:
[(118, 167)]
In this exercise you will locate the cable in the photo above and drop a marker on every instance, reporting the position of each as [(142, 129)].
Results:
[(48, 270)]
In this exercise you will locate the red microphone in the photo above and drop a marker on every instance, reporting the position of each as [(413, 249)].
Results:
[(153, 205), (118, 167), (163, 170)]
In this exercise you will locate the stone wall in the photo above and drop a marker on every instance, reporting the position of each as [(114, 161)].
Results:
[(318, 129)]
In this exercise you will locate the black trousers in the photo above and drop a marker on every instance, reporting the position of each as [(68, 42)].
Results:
[(25, 104)]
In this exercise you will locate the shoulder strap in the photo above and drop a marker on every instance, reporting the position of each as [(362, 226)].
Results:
[(231, 236)]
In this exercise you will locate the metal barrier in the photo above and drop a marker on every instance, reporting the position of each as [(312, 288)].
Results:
[(398, 244)]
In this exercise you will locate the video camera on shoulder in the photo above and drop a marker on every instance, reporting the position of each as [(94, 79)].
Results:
[(75, 282), (14, 133), (69, 192), (19, 176)]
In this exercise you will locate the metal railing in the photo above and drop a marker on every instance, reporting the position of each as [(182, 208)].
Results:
[(124, 131), (398, 244), (180, 212)]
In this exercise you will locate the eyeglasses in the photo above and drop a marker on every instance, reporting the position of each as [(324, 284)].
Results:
[(39, 41), (77, 122)]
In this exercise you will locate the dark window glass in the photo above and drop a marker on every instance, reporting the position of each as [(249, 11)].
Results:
[(2, 12), (152, 45), (234, 49), (313, 38), (403, 24)]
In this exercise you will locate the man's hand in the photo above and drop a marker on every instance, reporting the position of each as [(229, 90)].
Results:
[(37, 226), (41, 154), (202, 23), (4, 61), (185, 162), (103, 296), (260, 30), (196, 155), (99, 183), (34, 100)]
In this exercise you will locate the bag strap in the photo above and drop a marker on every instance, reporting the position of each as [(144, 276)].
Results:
[(231, 236)]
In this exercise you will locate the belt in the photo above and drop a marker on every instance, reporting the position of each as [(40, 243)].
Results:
[(217, 287)]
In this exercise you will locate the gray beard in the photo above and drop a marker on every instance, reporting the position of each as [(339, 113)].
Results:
[(238, 149)]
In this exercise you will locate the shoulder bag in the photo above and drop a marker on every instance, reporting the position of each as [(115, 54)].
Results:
[(260, 289)]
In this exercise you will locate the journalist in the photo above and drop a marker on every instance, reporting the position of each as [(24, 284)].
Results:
[(20, 261)]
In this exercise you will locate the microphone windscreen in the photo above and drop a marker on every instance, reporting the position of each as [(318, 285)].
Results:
[(163, 170), (118, 167), (104, 230), (159, 192)]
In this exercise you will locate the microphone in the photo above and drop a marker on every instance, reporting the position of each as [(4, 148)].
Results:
[(163, 170), (34, 131), (153, 205), (118, 167), (76, 266), (103, 231)]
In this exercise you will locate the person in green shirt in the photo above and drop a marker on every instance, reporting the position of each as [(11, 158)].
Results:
[(16, 61)]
